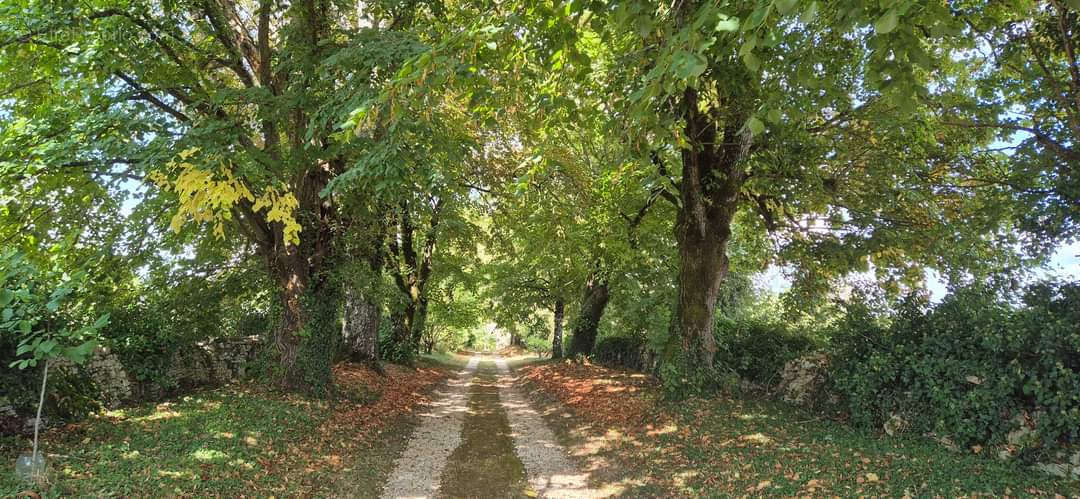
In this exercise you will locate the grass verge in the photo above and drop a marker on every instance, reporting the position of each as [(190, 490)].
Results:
[(232, 441), (641, 447)]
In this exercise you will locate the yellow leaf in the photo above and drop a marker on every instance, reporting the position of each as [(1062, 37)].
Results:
[(187, 153)]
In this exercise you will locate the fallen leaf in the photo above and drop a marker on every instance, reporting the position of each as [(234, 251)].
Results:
[(871, 477)]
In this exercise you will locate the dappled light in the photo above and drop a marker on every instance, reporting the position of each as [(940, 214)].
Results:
[(413, 249)]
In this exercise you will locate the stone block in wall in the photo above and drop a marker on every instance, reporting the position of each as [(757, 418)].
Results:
[(213, 362), (104, 368), (802, 381)]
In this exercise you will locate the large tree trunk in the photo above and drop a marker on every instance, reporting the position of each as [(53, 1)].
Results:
[(709, 191), (401, 332), (593, 303), (293, 284), (307, 338), (556, 341), (360, 328)]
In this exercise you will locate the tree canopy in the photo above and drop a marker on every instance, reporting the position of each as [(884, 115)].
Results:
[(451, 163)]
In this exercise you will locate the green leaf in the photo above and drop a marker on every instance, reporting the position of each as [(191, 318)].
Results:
[(785, 6), (886, 23), (757, 17), (101, 322), (688, 65), (773, 116), (755, 125), (748, 45), (1074, 4), (727, 23), (78, 354), (809, 14), (752, 62), (24, 326), (5, 297)]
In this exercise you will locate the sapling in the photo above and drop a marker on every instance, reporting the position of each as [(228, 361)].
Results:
[(32, 467), (40, 309)]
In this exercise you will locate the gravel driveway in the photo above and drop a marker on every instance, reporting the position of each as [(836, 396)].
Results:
[(419, 471)]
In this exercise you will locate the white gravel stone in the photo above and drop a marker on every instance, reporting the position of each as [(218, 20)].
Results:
[(551, 472), (418, 470)]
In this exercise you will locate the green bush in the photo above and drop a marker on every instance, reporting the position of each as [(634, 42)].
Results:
[(537, 344), (620, 351), (151, 322), (46, 317), (391, 350), (757, 348), (968, 366)]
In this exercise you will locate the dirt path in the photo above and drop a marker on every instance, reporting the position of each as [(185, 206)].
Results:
[(550, 470), (417, 471), (482, 439)]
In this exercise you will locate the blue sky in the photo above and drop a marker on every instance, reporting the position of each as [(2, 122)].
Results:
[(1064, 264)]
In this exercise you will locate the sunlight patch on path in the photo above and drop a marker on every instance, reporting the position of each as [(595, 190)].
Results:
[(417, 471), (551, 473)]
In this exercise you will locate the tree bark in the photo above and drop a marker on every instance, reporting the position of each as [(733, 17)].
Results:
[(709, 192), (556, 341), (360, 328), (593, 303), (412, 271), (306, 339), (419, 321), (401, 321)]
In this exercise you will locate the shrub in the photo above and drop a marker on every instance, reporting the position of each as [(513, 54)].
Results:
[(537, 344), (757, 348), (390, 349), (152, 321), (620, 351), (967, 367)]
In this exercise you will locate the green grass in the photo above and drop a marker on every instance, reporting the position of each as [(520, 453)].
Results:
[(233, 441), (222, 442), (732, 447), (446, 359), (765, 447)]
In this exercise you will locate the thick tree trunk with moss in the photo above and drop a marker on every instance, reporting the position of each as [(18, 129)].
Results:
[(419, 322), (306, 339), (360, 327), (593, 303), (712, 177), (556, 340), (400, 335)]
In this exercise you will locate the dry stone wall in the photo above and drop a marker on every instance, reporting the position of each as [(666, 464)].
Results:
[(803, 382), (206, 363)]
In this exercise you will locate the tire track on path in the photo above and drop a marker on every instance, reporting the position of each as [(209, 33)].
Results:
[(551, 472), (417, 471)]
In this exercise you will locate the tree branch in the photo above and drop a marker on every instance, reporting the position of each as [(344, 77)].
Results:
[(145, 95)]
